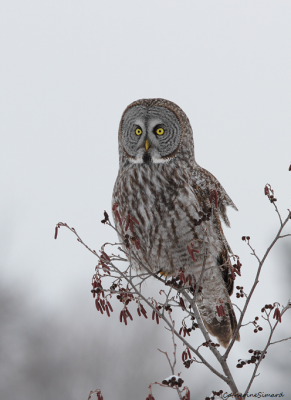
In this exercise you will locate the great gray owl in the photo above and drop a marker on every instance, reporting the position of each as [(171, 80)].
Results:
[(160, 184)]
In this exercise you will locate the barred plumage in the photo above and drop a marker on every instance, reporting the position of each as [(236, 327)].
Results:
[(160, 184)]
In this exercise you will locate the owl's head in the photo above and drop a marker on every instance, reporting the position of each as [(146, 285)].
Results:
[(154, 131)]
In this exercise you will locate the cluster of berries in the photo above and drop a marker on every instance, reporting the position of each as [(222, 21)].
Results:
[(186, 358), (97, 288), (173, 381), (176, 282), (185, 330), (133, 239), (241, 293), (277, 313), (266, 307), (257, 327), (124, 297), (214, 394), (209, 343), (203, 217), (254, 358), (194, 325), (270, 193), (192, 289), (168, 308), (113, 287)]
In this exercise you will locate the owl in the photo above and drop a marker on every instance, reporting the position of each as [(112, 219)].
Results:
[(176, 206)]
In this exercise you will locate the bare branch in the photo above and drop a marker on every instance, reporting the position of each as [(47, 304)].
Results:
[(282, 340), (261, 263)]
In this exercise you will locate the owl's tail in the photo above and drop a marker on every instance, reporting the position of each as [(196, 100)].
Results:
[(222, 327)]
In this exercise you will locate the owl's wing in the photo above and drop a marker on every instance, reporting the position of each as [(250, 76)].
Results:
[(205, 183), (208, 183)]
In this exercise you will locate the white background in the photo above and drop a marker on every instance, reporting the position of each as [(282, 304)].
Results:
[(68, 70)]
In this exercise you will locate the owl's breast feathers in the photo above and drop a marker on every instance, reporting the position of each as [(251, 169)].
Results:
[(168, 202)]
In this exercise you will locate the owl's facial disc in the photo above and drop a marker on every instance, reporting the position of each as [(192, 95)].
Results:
[(150, 135)]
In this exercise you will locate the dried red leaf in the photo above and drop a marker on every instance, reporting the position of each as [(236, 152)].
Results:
[(182, 304), (189, 354), (105, 255), (110, 307), (143, 311), (124, 317), (56, 232), (277, 314), (153, 314), (180, 331), (220, 310), (97, 304), (118, 217), (184, 356), (127, 222), (114, 206), (191, 254), (121, 316), (194, 250), (290, 168), (182, 277), (232, 272), (138, 311), (266, 190), (102, 302), (157, 319), (107, 310), (129, 314)]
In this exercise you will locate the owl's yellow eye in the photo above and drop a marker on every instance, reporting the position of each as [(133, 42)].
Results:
[(138, 131), (160, 131)]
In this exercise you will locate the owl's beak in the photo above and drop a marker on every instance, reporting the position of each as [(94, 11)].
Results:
[(146, 145)]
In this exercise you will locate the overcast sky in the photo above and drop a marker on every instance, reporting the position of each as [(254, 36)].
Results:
[(68, 71)]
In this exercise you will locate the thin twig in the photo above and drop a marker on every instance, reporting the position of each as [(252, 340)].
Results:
[(254, 286), (265, 349), (282, 340)]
